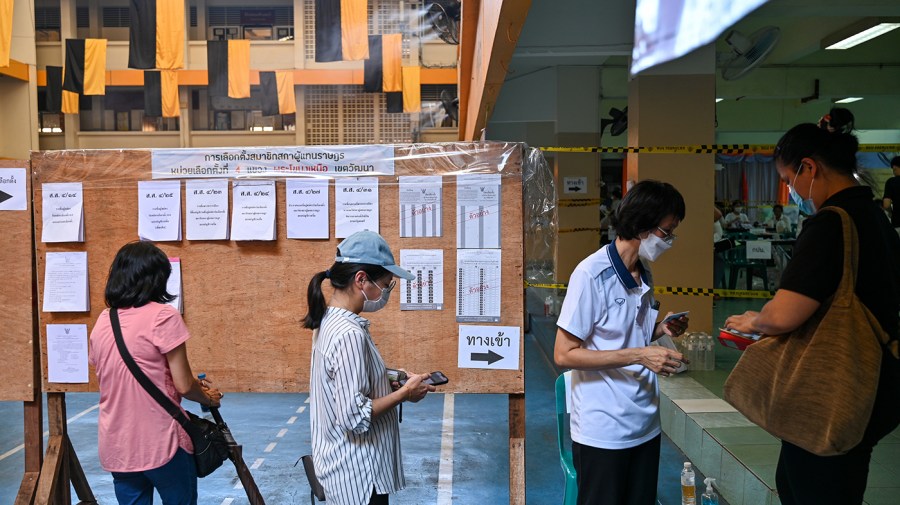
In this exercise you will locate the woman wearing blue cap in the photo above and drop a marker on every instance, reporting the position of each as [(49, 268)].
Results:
[(355, 425)]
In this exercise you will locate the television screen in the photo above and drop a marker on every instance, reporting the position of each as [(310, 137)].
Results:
[(668, 29)]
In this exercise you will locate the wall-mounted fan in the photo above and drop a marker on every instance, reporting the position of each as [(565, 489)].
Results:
[(747, 52), (443, 15), (451, 105), (617, 122)]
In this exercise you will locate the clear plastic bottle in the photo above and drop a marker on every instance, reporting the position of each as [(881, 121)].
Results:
[(203, 382), (688, 489), (690, 352), (709, 497), (710, 353)]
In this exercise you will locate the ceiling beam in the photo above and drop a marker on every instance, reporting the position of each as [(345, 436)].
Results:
[(489, 32)]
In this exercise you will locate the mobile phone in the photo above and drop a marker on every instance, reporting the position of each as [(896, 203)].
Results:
[(434, 379), (396, 375), (675, 316)]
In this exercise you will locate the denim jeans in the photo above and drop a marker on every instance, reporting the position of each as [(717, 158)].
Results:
[(176, 483)]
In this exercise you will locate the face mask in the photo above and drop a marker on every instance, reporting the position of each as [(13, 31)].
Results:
[(806, 206), (376, 305), (652, 247), (738, 210)]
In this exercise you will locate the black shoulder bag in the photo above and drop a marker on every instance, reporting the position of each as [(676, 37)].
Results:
[(210, 444)]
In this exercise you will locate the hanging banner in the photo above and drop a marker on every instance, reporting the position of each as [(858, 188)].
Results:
[(301, 161)]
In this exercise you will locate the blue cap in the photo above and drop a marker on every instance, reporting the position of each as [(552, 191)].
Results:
[(369, 248)]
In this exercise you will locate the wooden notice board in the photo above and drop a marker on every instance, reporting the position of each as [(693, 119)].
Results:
[(244, 301), (17, 321)]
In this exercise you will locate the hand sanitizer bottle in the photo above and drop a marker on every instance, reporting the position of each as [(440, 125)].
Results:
[(709, 497)]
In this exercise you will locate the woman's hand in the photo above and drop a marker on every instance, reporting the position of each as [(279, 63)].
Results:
[(214, 396), (415, 388), (743, 322), (661, 360)]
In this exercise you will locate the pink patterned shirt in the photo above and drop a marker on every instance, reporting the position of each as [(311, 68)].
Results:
[(135, 432)]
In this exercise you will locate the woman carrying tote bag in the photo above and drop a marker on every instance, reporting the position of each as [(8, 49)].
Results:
[(818, 163)]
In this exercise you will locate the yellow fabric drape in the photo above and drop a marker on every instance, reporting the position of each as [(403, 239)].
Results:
[(6, 19), (169, 93), (95, 66), (239, 68), (69, 102), (412, 89), (391, 58), (286, 101), (354, 30), (169, 34)]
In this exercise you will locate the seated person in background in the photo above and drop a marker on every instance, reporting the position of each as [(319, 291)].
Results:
[(778, 220), (736, 219)]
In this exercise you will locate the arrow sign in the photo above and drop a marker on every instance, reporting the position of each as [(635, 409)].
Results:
[(4, 196), (491, 357)]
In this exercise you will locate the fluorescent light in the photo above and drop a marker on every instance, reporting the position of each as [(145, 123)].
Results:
[(849, 99), (719, 100), (863, 36)]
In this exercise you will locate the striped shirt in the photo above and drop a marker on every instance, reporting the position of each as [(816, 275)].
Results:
[(353, 453)]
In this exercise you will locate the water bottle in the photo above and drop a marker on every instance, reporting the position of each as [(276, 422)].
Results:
[(691, 353), (710, 353), (548, 306), (688, 490), (709, 497), (202, 378)]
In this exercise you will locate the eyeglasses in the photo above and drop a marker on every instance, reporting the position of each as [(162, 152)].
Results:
[(667, 237), (389, 288)]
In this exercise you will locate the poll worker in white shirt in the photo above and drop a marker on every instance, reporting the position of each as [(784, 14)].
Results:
[(778, 220), (605, 329), (353, 404), (736, 219)]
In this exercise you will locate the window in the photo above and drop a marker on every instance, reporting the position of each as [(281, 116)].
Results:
[(122, 109), (115, 17), (46, 24), (348, 115)]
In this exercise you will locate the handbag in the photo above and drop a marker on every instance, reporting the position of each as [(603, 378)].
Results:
[(211, 447), (815, 386)]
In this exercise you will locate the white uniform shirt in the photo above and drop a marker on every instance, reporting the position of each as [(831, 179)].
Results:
[(353, 454), (605, 308)]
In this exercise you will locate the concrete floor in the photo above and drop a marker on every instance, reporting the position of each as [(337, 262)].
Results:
[(274, 430)]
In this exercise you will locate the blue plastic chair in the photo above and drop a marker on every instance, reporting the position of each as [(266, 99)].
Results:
[(563, 391)]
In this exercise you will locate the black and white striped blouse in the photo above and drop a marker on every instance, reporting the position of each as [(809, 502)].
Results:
[(353, 453)]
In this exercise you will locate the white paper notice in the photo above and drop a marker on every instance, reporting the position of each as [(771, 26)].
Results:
[(67, 353), (420, 206), (426, 291), (207, 209), (63, 208), (478, 211), (159, 210), (355, 205), (493, 347), (13, 190), (66, 282), (478, 285), (173, 285), (307, 208), (253, 216)]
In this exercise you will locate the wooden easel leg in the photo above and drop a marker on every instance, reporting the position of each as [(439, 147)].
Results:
[(34, 451), (48, 484), (61, 466), (76, 474), (517, 449)]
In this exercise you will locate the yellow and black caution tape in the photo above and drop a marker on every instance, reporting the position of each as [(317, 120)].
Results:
[(580, 202), (546, 286), (573, 230), (684, 291), (701, 149)]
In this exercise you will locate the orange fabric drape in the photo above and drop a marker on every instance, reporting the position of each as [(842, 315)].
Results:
[(239, 68)]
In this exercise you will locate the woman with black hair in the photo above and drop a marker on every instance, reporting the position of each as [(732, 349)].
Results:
[(353, 416), (605, 329), (140, 443), (818, 163)]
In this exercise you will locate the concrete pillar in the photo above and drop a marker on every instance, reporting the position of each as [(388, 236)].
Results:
[(674, 104)]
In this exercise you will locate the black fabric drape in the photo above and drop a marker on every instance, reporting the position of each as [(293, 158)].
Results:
[(217, 65), (394, 101), (328, 31), (152, 93), (74, 80), (373, 75), (53, 91), (268, 85), (142, 34)]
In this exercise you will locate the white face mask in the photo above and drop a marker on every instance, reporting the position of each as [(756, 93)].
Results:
[(652, 247), (376, 305)]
